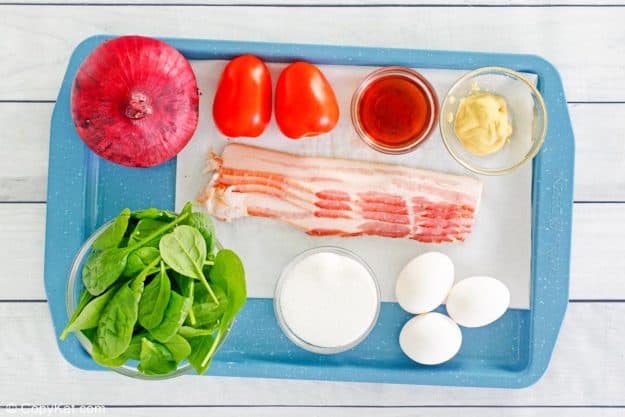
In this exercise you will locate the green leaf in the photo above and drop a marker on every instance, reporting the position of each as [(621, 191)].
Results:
[(200, 348), (190, 332), (184, 250), (102, 359), (175, 314), (203, 223), (186, 286), (154, 214), (114, 234), (179, 347), (117, 322), (134, 349), (103, 268), (227, 273), (118, 319), (155, 359), (83, 300), (187, 209), (145, 228), (90, 314), (89, 334), (156, 234), (154, 300), (205, 310), (139, 259)]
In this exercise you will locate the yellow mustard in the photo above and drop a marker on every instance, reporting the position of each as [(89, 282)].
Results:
[(482, 123)]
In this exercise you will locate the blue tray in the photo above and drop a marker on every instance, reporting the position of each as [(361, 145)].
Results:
[(84, 191)]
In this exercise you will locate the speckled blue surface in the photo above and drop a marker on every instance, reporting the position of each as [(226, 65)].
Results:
[(84, 191)]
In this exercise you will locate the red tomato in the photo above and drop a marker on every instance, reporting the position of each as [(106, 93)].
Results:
[(305, 102), (242, 105)]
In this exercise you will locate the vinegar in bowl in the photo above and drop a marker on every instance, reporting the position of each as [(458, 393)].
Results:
[(394, 110)]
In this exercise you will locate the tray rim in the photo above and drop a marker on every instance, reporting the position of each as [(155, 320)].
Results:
[(552, 214)]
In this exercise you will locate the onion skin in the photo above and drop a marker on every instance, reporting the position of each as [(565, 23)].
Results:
[(135, 101)]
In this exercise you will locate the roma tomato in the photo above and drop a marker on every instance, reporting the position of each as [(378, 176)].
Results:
[(305, 102), (242, 105)]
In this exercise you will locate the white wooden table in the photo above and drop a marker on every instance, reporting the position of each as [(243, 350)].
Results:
[(585, 41)]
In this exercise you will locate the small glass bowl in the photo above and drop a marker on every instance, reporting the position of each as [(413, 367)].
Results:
[(527, 111), (75, 287), (325, 350), (411, 75)]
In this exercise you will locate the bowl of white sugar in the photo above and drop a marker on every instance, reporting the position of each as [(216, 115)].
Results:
[(327, 300)]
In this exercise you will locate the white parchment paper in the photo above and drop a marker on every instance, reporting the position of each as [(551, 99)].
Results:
[(499, 246)]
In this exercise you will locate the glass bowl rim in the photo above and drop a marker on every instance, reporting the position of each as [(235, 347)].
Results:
[(74, 276), (536, 146), (409, 73), (292, 336)]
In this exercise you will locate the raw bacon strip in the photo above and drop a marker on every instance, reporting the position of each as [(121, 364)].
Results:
[(339, 197)]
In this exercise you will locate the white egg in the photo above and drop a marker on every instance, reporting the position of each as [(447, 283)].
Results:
[(430, 338), (424, 282), (477, 301)]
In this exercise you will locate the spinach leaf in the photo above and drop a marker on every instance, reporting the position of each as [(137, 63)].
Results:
[(145, 228), (155, 359), (186, 286), (90, 314), (154, 300), (89, 334), (113, 234), (134, 349), (228, 274), (139, 259), (154, 214), (184, 250), (200, 348), (83, 300), (103, 268), (156, 233), (190, 332), (206, 311), (175, 314), (203, 223), (179, 347), (118, 318), (102, 359)]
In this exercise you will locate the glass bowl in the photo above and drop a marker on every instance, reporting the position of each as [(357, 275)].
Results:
[(75, 287), (280, 315), (418, 80), (528, 116)]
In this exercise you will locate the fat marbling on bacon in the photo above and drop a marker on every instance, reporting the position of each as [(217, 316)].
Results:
[(341, 197)]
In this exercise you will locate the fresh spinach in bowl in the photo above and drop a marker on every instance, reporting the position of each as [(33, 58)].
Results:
[(157, 291)]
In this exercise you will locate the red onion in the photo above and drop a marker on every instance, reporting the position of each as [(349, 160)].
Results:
[(135, 101)]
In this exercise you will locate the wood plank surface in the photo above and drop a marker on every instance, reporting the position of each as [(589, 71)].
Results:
[(587, 44), (24, 151), (587, 369), (336, 3), (322, 411)]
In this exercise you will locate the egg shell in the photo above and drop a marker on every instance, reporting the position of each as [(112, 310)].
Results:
[(424, 282), (477, 301), (430, 339)]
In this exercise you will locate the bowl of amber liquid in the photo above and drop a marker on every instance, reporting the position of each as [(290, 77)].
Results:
[(394, 109)]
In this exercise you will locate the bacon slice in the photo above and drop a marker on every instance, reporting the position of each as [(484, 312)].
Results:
[(340, 197)]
